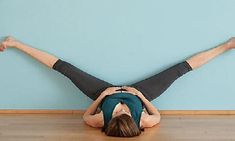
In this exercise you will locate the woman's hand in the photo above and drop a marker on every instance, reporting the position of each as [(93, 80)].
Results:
[(133, 91), (110, 91), (8, 42)]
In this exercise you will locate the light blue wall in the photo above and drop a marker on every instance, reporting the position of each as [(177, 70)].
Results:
[(120, 41)]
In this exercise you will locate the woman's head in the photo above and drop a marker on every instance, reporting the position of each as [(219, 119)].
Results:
[(122, 126)]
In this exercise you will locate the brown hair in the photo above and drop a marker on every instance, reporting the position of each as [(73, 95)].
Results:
[(122, 126)]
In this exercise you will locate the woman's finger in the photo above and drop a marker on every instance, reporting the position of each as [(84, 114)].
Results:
[(111, 89), (126, 87), (116, 88)]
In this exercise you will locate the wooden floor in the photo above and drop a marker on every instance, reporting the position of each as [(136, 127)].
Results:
[(70, 127)]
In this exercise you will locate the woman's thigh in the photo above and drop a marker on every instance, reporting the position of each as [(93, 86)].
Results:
[(88, 84), (155, 85)]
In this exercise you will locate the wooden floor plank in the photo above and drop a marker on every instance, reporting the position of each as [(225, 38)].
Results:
[(70, 127)]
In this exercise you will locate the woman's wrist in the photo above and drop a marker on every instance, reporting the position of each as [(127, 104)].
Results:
[(102, 96), (140, 95)]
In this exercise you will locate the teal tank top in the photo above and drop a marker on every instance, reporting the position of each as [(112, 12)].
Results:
[(133, 102)]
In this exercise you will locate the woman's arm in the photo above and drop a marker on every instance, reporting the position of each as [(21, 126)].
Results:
[(90, 116), (43, 57), (92, 119), (151, 119)]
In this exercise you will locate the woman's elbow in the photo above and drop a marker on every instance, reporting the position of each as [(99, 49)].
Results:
[(88, 122), (91, 122), (157, 120)]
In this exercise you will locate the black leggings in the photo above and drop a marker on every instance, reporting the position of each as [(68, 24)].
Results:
[(151, 87)]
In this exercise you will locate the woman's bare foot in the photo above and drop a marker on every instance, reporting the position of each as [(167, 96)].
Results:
[(8, 42), (231, 43)]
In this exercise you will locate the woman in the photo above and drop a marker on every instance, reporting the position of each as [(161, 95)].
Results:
[(120, 110)]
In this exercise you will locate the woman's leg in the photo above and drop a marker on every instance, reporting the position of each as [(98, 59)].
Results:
[(88, 84), (201, 58), (41, 56), (154, 86)]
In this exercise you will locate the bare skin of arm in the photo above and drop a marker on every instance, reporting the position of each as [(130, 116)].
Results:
[(152, 117), (43, 57), (90, 117)]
